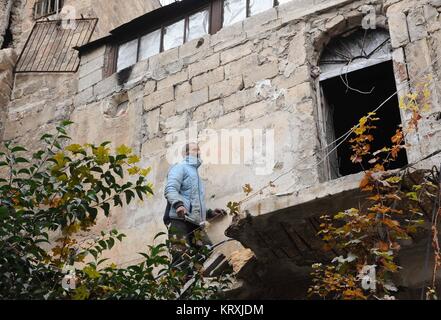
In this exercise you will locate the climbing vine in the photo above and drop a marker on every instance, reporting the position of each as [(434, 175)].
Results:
[(365, 242)]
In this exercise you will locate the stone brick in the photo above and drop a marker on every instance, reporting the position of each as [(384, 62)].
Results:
[(297, 50), (195, 50), (92, 55), (149, 87), (209, 63), (84, 97), (295, 9), (418, 58), (299, 75), (299, 93), (207, 79), (261, 22), (173, 79), (182, 89), (265, 71), (433, 18), (165, 58), (90, 80), (168, 109), (240, 99), (228, 37), (241, 66), (256, 110), (225, 88), (175, 123), (152, 122), (106, 87), (158, 97), (192, 100), (230, 120), (91, 66), (8, 58), (208, 111), (416, 24), (399, 34), (236, 53)]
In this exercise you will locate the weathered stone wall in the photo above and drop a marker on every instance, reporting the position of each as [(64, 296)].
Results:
[(7, 62), (5, 9), (257, 74), (111, 13), (50, 96), (260, 73)]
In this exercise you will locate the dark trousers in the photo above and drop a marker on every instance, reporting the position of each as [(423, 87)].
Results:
[(182, 234)]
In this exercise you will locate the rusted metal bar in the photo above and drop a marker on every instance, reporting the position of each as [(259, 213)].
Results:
[(49, 48)]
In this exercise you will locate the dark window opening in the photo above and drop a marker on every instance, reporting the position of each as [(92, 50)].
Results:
[(347, 107), (8, 38), (44, 8)]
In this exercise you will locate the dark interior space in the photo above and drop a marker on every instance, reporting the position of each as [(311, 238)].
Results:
[(348, 106), (8, 37)]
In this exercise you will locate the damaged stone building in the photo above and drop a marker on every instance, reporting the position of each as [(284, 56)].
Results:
[(146, 72)]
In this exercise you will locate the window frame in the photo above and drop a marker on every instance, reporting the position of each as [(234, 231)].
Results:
[(215, 10), (48, 5)]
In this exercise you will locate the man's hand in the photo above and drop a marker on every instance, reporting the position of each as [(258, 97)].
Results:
[(181, 212)]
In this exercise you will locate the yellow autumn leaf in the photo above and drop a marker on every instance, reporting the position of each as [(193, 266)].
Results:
[(102, 155), (134, 170), (91, 272), (145, 172), (75, 148), (133, 159), (123, 150), (60, 159)]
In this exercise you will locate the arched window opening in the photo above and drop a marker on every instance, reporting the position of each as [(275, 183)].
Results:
[(356, 77)]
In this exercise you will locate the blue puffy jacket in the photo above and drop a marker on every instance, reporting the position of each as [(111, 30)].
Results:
[(185, 187)]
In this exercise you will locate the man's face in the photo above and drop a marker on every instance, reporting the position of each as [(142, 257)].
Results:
[(194, 150)]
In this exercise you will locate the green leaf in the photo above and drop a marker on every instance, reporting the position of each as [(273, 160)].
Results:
[(129, 196), (102, 261), (66, 123), (103, 244), (106, 207), (4, 212), (21, 160), (24, 171), (110, 243), (159, 235), (18, 149), (46, 136), (38, 155), (106, 143), (94, 253), (91, 272)]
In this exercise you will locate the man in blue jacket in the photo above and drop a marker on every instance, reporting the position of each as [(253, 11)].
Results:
[(185, 193)]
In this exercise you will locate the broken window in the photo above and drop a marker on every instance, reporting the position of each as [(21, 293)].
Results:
[(127, 54), (150, 44), (258, 6), (197, 25), (45, 8), (357, 76), (234, 11), (197, 21), (174, 35)]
